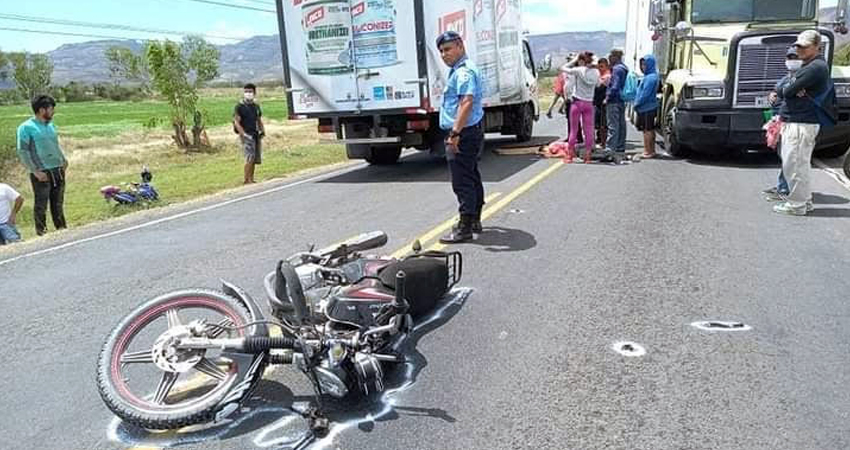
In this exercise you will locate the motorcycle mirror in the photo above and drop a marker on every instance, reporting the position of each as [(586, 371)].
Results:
[(417, 246)]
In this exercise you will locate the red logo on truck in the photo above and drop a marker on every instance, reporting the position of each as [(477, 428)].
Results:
[(296, 2), (358, 9), (315, 15), (501, 8), (456, 22)]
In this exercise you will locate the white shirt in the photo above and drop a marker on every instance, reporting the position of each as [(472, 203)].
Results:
[(7, 201), (585, 81)]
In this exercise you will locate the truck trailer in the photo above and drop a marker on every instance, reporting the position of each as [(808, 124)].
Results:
[(370, 72)]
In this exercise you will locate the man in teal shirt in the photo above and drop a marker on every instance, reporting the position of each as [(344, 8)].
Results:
[(461, 119), (38, 149)]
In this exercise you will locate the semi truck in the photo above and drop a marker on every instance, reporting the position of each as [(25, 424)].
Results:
[(719, 60), (370, 72)]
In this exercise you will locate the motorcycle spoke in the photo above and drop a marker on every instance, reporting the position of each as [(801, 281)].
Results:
[(143, 356), (211, 369), (173, 318), (165, 384), (219, 328)]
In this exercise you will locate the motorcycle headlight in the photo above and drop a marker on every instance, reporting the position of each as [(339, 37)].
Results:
[(842, 90), (705, 91)]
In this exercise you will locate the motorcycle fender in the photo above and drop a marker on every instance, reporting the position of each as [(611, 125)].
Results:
[(254, 309)]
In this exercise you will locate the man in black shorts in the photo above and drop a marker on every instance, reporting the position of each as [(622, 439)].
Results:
[(646, 104), (248, 123)]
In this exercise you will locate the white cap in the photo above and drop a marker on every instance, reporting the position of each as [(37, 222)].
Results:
[(808, 38)]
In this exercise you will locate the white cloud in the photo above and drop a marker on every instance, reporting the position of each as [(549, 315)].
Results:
[(556, 16)]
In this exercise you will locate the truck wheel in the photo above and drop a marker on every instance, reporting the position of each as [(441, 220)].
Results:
[(526, 126), (671, 144), (833, 152), (382, 156)]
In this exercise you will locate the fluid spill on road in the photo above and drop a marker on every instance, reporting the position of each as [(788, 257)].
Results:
[(272, 424)]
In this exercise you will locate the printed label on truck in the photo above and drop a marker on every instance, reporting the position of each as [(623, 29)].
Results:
[(327, 26), (485, 42), (508, 46), (374, 25), (350, 55)]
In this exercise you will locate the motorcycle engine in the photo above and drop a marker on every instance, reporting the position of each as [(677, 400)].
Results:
[(369, 373)]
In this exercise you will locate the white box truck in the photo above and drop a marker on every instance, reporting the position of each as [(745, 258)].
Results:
[(369, 70)]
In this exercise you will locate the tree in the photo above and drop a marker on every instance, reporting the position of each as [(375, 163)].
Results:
[(4, 61), (31, 72), (124, 64), (177, 71), (842, 55)]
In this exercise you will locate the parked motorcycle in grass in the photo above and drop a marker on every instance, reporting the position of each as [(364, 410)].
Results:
[(194, 355), (135, 192)]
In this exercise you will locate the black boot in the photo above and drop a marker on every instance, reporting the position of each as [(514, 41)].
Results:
[(462, 232), (477, 228)]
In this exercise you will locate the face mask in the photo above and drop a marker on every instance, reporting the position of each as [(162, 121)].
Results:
[(249, 96), (793, 65)]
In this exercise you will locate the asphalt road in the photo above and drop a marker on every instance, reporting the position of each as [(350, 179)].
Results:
[(573, 260)]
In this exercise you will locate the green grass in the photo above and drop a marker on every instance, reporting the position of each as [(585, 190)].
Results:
[(177, 177), (107, 143), (110, 119)]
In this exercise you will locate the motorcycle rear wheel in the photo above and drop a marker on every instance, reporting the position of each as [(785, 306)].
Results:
[(196, 386)]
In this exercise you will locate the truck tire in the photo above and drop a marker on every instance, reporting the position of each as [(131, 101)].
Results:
[(525, 128), (833, 152), (671, 144), (382, 156)]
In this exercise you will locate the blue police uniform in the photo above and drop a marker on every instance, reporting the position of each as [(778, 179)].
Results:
[(465, 79)]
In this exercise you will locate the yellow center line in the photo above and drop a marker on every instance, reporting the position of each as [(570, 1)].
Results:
[(436, 231), (488, 212)]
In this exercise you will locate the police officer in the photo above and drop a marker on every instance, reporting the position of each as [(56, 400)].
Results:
[(460, 119)]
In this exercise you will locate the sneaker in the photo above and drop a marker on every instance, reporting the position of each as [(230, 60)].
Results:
[(787, 209), (773, 195)]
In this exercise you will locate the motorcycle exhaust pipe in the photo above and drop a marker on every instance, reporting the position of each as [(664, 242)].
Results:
[(288, 286)]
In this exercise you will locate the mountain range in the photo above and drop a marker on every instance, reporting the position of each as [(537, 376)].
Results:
[(259, 58)]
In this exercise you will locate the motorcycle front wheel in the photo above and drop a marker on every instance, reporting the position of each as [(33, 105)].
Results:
[(148, 382)]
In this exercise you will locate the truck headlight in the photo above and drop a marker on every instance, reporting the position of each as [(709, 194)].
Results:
[(705, 91), (842, 90)]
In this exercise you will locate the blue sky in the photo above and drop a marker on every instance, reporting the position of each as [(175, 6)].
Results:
[(540, 16)]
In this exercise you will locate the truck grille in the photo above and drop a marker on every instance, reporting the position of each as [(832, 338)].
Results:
[(760, 67)]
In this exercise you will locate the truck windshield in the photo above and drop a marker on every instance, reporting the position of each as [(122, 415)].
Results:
[(728, 11)]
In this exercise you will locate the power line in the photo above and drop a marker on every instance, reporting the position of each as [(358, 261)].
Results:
[(64, 33), (228, 5), (107, 26)]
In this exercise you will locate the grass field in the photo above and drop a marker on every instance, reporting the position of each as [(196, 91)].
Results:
[(105, 119), (107, 143)]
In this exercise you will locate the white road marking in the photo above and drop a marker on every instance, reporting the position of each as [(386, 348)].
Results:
[(182, 215), (837, 175)]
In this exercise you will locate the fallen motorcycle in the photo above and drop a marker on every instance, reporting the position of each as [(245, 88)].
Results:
[(193, 356), (135, 192)]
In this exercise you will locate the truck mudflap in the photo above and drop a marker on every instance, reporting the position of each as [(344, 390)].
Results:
[(719, 131)]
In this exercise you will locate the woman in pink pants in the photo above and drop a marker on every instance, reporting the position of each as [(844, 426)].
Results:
[(586, 77)]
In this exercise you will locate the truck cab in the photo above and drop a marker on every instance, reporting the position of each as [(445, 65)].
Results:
[(719, 61)]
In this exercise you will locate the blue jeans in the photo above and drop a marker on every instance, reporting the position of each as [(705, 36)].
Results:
[(781, 184), (8, 234), (616, 113)]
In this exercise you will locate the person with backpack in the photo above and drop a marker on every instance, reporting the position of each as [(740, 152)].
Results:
[(615, 106), (809, 99), (248, 124), (646, 104)]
